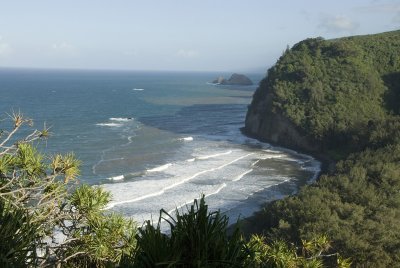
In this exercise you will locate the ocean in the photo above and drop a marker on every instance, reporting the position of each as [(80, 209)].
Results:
[(157, 139)]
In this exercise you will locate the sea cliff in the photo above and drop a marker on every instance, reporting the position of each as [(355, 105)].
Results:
[(322, 96), (337, 99), (275, 128)]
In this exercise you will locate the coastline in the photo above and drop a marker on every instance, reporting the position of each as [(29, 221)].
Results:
[(251, 225), (327, 164)]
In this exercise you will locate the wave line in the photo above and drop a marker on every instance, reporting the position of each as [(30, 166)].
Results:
[(213, 193), (214, 155), (162, 191), (242, 175)]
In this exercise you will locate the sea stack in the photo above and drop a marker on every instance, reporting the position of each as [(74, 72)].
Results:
[(234, 80)]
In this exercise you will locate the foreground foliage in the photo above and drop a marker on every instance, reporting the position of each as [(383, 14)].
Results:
[(199, 238), (45, 219), (280, 254)]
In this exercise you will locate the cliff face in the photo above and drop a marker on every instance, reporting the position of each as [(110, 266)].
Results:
[(277, 129), (265, 124), (323, 95)]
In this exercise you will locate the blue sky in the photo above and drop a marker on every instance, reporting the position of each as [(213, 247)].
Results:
[(206, 35)]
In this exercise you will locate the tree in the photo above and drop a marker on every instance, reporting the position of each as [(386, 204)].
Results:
[(280, 254), (45, 219)]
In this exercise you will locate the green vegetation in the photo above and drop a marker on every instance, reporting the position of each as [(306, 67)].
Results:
[(358, 207), (280, 254), (333, 89), (344, 94), (46, 220), (199, 238)]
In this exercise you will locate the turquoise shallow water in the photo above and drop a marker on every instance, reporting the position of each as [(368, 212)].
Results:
[(157, 139)]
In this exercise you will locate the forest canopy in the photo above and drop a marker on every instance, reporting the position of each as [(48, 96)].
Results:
[(344, 95)]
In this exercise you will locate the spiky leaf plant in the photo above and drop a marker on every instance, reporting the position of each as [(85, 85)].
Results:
[(197, 238)]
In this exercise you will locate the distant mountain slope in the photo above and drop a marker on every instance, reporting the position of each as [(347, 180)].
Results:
[(338, 99)]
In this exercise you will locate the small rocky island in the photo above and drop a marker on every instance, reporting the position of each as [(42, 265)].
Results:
[(234, 80)]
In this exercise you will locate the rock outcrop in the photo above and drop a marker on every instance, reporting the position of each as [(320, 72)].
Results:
[(234, 80), (267, 125)]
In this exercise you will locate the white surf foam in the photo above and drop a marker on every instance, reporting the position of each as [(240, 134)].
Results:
[(315, 168), (130, 140), (138, 89), (116, 178), (268, 155), (214, 155), (109, 125), (187, 139), (218, 190), (229, 186), (160, 168), (222, 186), (255, 163), (173, 185), (242, 175), (121, 119)]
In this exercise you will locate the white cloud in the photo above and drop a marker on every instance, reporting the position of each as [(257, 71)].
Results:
[(5, 48), (336, 24), (187, 53)]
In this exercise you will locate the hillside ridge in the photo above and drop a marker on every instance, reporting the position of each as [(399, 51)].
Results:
[(337, 99)]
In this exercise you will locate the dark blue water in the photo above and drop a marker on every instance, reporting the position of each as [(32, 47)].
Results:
[(156, 139)]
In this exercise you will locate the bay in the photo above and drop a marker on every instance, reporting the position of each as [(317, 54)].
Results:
[(157, 139)]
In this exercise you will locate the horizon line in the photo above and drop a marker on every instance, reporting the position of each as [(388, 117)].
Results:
[(121, 70)]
